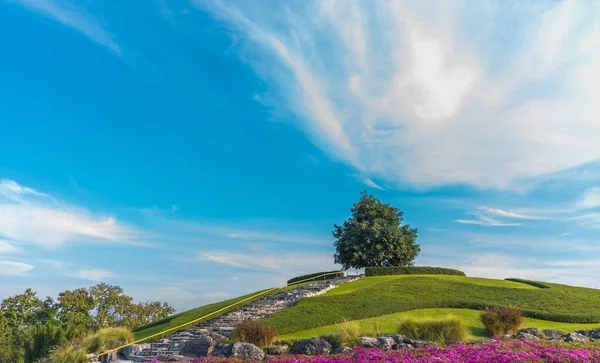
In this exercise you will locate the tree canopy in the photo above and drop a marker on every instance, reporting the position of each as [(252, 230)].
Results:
[(374, 236), (30, 327)]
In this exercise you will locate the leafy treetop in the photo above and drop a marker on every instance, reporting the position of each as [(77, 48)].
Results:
[(374, 236)]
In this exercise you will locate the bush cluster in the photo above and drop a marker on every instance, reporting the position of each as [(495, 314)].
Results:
[(501, 320), (530, 282), (450, 329), (102, 340), (411, 270), (334, 274), (251, 331)]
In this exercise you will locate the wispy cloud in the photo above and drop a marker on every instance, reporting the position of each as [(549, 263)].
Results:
[(30, 216), (486, 216), (95, 274), (590, 198), (68, 15), (14, 268), (408, 92), (7, 247), (366, 181), (284, 263)]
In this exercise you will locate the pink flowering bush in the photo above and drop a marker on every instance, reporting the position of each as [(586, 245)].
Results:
[(501, 351)]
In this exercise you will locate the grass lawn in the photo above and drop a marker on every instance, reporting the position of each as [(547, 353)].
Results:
[(388, 324), (384, 295)]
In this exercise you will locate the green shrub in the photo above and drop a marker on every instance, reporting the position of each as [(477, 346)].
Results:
[(107, 338), (349, 334), (411, 270), (501, 320), (530, 282), (450, 329), (333, 275), (251, 331), (69, 354)]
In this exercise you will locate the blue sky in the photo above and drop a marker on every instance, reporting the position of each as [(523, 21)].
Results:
[(191, 151)]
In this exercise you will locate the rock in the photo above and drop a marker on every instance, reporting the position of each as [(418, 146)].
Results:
[(201, 346), (218, 337), (129, 350), (223, 350), (527, 336), (278, 350), (386, 342), (576, 337), (532, 331), (246, 351), (369, 342), (109, 357), (314, 346), (418, 343), (554, 334), (592, 334), (342, 350), (398, 338), (401, 345)]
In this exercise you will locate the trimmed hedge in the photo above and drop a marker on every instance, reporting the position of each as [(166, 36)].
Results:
[(334, 274), (530, 282), (411, 270)]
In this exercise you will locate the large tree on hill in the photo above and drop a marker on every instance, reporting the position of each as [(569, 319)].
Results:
[(374, 236)]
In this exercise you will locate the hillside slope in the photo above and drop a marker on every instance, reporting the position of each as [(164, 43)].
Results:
[(382, 295)]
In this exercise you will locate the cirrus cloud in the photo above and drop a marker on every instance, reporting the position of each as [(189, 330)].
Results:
[(433, 93)]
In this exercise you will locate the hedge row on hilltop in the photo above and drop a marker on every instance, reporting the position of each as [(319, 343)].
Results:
[(411, 270), (330, 275), (529, 282)]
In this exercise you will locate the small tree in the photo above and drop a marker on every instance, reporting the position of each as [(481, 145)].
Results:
[(374, 236)]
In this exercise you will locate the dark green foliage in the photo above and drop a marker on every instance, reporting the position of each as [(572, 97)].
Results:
[(42, 338), (538, 284), (374, 236), (501, 320), (31, 327), (441, 331), (334, 274), (411, 270), (254, 332), (381, 295)]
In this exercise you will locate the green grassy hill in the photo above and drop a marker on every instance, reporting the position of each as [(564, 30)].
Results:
[(386, 299), (387, 295)]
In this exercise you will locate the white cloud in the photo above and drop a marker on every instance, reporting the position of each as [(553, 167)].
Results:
[(66, 14), (95, 274), (486, 221), (507, 214), (366, 181), (590, 198), (14, 268), (284, 262), (408, 92), (30, 216), (6, 247)]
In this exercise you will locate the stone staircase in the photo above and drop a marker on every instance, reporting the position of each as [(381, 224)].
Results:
[(222, 326)]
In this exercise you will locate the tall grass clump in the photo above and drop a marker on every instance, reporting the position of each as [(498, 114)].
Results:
[(501, 320), (449, 329), (107, 338), (254, 332), (69, 354), (349, 334), (76, 350)]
